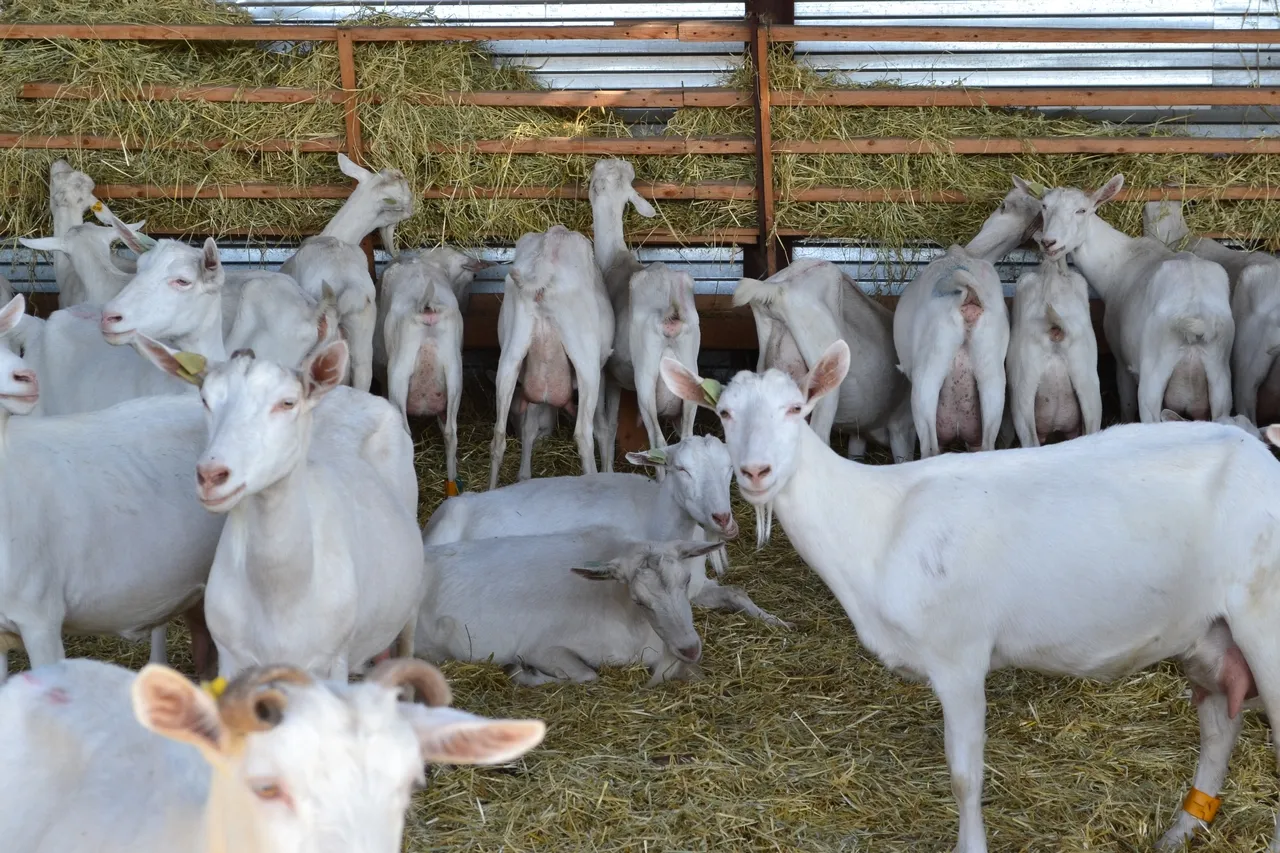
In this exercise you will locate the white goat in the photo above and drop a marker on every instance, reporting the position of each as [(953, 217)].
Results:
[(277, 764), (334, 257), (420, 338), (101, 532), (1254, 278), (1168, 317), (555, 328), (654, 314), (320, 563), (692, 498), (70, 197), (798, 313), (1052, 363), (98, 278), (1170, 416), (951, 332), (953, 567), (545, 621)]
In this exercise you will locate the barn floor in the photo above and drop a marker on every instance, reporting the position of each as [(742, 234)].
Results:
[(799, 740)]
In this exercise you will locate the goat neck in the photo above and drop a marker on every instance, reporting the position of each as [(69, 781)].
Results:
[(273, 535), (352, 221), (827, 498), (1103, 255), (606, 228), (229, 826), (997, 239)]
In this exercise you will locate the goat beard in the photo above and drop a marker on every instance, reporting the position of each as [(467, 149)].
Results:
[(764, 524)]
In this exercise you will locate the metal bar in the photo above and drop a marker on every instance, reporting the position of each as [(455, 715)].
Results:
[(849, 194), (1022, 35), (1035, 145), (1154, 96)]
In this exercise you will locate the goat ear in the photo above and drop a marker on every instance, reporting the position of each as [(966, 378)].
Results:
[(450, 736), (476, 264), (135, 240), (1170, 416), (593, 571), (353, 171), (12, 313), (210, 259), (166, 703), (324, 371), (642, 205), (826, 375), (1272, 434), (44, 244), (187, 366), (687, 385), (696, 548), (1109, 190), (654, 456)]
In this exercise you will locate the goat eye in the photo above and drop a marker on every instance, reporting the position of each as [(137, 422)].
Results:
[(285, 405), (180, 283), (1081, 212), (204, 402), (725, 415), (267, 790), (794, 409)]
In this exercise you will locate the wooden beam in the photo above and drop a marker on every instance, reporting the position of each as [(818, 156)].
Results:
[(1024, 35), (300, 32), (1103, 96), (849, 194), (115, 143), (653, 146), (718, 190), (656, 98), (211, 94), (1034, 145), (454, 32)]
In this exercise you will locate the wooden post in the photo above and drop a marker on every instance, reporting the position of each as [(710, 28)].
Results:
[(768, 255), (351, 112)]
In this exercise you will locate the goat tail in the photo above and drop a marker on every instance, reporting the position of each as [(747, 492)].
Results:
[(961, 283), (1192, 330), (756, 292)]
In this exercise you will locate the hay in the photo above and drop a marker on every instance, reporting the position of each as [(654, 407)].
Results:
[(800, 741), (399, 132)]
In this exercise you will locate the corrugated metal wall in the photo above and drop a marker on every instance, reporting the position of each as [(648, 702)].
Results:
[(656, 64)]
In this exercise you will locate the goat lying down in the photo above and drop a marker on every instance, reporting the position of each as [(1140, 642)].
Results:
[(952, 567), (277, 763), (558, 607), (690, 501)]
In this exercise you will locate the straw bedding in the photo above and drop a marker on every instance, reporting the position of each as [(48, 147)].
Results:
[(398, 132), (800, 741)]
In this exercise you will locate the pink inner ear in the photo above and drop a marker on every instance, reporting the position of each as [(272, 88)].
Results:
[(326, 370)]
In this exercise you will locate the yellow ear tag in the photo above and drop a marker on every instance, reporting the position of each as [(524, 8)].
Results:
[(190, 365), (97, 207), (711, 389), (1037, 190), (214, 688)]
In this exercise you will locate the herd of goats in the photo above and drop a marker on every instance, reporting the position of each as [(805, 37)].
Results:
[(184, 441)]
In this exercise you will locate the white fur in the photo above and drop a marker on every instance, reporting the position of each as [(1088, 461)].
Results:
[(799, 312), (690, 501), (334, 258), (1254, 279), (520, 601), (82, 772), (1168, 317), (70, 197), (319, 564), (555, 302), (1052, 363), (952, 567), (420, 328), (642, 298)]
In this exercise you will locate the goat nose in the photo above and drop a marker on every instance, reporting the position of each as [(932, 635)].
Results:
[(24, 377), (755, 473), (211, 474), (691, 653), (112, 318), (1049, 244), (722, 519)]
